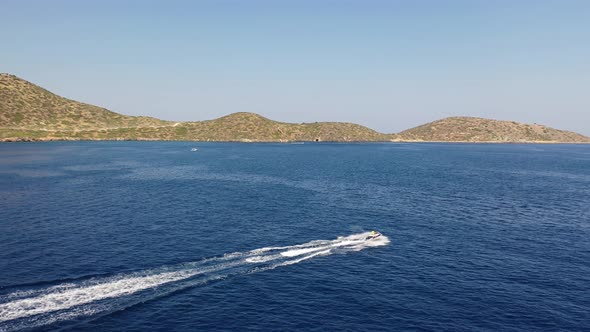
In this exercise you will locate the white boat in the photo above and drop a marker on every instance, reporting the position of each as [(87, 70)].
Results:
[(194, 149), (373, 235)]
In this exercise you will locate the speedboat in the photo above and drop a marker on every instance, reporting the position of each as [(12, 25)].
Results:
[(194, 149), (373, 235)]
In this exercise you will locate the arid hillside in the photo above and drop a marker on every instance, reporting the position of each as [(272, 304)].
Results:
[(470, 129), (24, 105), (29, 112)]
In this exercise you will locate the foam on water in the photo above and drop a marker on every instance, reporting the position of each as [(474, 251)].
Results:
[(28, 307), (299, 252)]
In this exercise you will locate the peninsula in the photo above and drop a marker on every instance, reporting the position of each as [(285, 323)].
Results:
[(31, 113)]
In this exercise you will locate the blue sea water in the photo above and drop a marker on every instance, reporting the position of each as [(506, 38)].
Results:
[(135, 236)]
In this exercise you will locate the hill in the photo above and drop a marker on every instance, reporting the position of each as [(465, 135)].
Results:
[(29, 112), (24, 105), (244, 126), (237, 127), (471, 129)]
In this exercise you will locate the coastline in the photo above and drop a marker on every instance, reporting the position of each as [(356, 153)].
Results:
[(144, 139)]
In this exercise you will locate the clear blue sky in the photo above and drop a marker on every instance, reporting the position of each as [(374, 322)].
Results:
[(389, 65)]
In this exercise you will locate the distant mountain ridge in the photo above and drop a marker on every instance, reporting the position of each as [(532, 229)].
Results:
[(29, 112)]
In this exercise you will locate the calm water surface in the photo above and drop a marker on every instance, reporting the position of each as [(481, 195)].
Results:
[(135, 236)]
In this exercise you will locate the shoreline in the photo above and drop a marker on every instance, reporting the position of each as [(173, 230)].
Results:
[(73, 139)]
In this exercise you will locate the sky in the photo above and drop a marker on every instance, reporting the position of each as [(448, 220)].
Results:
[(388, 65)]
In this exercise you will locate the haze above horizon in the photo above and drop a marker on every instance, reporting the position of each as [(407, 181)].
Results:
[(388, 65)]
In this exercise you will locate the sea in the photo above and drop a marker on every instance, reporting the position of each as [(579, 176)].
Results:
[(188, 236)]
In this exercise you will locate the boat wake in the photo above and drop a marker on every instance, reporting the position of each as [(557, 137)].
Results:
[(29, 306)]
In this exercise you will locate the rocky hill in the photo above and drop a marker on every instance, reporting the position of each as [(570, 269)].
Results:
[(24, 105), (253, 127), (29, 112), (237, 127), (471, 129)]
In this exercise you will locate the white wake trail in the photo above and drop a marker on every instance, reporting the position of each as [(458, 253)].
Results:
[(28, 308)]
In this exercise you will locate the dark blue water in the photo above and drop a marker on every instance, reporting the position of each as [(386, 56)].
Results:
[(135, 236)]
